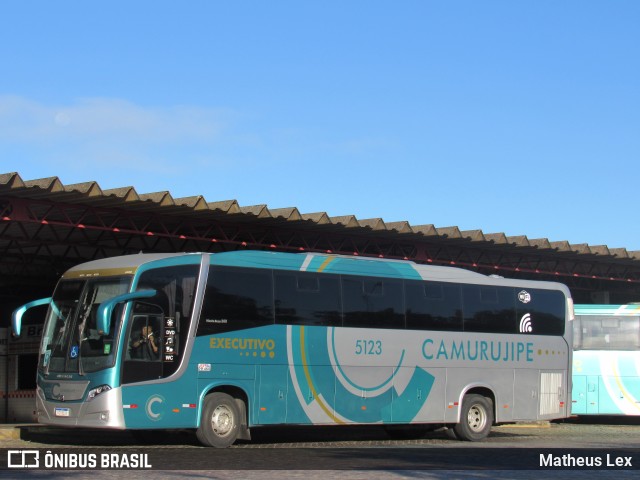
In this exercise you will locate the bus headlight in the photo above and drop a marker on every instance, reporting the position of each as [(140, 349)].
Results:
[(93, 393)]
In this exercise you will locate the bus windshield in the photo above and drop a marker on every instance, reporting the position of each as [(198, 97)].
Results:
[(71, 342)]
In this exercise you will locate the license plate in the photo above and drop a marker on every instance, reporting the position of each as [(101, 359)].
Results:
[(62, 412)]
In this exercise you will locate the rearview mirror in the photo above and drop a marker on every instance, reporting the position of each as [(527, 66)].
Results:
[(18, 313)]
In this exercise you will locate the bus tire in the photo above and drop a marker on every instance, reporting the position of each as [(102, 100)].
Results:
[(476, 418), (220, 421)]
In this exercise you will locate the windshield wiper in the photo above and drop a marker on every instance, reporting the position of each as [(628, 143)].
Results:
[(59, 335), (83, 322)]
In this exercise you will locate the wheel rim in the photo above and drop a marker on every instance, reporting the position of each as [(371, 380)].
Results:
[(222, 421), (477, 418)]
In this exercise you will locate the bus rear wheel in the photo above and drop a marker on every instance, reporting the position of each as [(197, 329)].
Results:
[(476, 418), (220, 421)]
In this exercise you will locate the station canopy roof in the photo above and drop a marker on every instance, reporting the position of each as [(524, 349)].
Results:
[(47, 226)]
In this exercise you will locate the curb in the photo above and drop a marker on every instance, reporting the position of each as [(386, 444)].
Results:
[(14, 431), (9, 433)]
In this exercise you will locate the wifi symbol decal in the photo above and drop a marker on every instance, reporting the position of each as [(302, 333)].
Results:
[(525, 323)]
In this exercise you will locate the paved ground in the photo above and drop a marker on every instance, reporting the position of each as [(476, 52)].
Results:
[(351, 453), (601, 432)]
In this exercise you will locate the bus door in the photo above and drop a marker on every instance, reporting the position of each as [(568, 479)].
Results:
[(155, 342), (593, 400), (579, 395), (143, 356)]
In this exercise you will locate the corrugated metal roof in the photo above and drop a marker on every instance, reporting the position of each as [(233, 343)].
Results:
[(90, 193)]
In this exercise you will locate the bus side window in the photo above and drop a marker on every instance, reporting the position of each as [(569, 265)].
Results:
[(547, 310), (168, 315), (303, 298), (146, 335), (489, 309), (433, 306), (370, 302), (235, 299)]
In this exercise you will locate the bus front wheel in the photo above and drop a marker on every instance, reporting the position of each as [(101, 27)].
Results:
[(476, 418), (220, 421)]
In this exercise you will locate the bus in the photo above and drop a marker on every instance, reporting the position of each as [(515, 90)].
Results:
[(606, 360), (222, 343)]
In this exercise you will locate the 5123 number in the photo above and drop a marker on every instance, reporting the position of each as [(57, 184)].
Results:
[(368, 347)]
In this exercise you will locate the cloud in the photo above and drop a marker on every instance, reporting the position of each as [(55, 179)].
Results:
[(106, 119)]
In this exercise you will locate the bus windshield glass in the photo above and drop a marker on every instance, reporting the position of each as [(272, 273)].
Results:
[(71, 342)]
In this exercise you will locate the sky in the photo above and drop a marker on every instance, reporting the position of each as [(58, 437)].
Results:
[(520, 117)]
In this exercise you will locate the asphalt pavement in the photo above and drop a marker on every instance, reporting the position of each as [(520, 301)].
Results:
[(511, 451)]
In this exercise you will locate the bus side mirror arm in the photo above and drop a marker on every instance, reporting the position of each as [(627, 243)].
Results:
[(106, 308), (16, 316)]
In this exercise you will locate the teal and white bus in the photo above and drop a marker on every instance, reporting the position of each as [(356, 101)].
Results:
[(222, 343), (606, 360)]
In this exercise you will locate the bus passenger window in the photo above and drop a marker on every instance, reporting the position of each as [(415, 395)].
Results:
[(547, 309), (489, 309), (372, 302), (146, 338), (236, 299), (307, 299), (433, 306)]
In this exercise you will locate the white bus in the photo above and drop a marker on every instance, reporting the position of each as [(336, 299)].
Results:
[(606, 360)]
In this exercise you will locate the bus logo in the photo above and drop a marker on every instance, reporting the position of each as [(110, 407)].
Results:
[(154, 415), (23, 458), (525, 323)]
